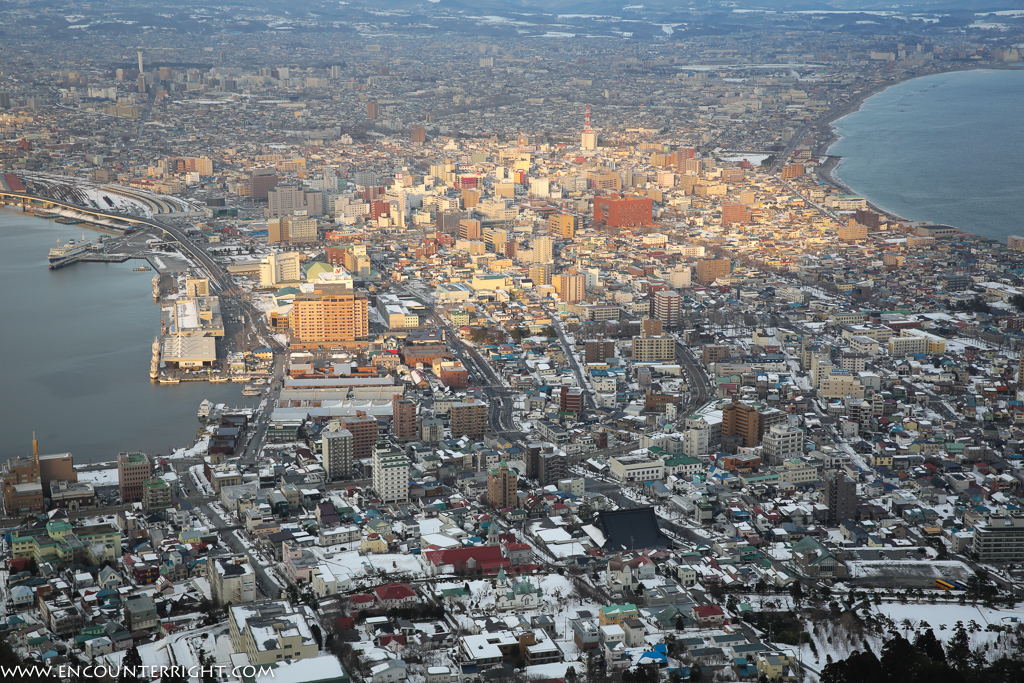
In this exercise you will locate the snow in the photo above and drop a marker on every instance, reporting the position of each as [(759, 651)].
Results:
[(99, 477)]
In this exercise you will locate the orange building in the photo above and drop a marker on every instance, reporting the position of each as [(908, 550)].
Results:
[(332, 314), (570, 288), (735, 213), (744, 421), (563, 225), (710, 269)]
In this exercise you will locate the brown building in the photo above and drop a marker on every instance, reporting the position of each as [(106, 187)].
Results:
[(23, 491), (715, 353), (469, 418), (668, 308), (261, 181), (735, 213), (710, 269), (469, 229), (364, 433), (623, 212), (372, 109), (599, 350), (792, 171), (419, 134), (332, 314), (501, 487), (744, 421), (403, 419), (133, 471)]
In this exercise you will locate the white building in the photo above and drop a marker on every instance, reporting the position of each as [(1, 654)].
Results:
[(390, 474)]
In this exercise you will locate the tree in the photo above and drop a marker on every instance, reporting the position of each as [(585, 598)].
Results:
[(1017, 301), (796, 592), (132, 660)]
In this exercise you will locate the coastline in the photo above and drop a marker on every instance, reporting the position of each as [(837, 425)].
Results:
[(825, 136)]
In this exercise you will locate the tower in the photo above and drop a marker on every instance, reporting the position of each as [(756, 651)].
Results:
[(588, 138)]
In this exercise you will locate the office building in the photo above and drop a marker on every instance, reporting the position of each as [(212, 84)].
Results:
[(668, 308), (232, 580), (542, 274), (709, 270), (331, 314), (390, 474), (623, 212), (403, 419), (781, 442), (133, 471), (570, 399), (336, 446), (744, 421), (372, 109), (469, 229), (840, 496), (262, 181), (365, 432), (291, 200), (276, 269), (599, 350), (468, 418), (502, 487)]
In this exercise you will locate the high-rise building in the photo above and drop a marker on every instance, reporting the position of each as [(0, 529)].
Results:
[(570, 399), (336, 448), (563, 225), (280, 267), (469, 229), (840, 496), (365, 432), (468, 418), (262, 181), (570, 288), (588, 138), (735, 213), (781, 442), (668, 308), (329, 315), (419, 134), (654, 348), (390, 474), (542, 249), (710, 269), (133, 471), (372, 109), (403, 418), (599, 350), (289, 200), (742, 420), (999, 538), (502, 487)]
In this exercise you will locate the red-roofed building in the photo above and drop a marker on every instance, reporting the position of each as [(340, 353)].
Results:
[(708, 615), (392, 595), (470, 560)]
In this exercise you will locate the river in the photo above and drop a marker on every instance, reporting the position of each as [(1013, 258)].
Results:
[(945, 149), (76, 349)]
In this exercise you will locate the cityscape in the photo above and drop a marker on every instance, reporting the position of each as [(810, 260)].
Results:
[(534, 344)]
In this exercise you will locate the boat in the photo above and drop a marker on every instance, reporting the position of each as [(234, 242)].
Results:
[(46, 214), (66, 254), (260, 380), (68, 221), (156, 287), (218, 378), (169, 380), (142, 269), (154, 365), (250, 390), (204, 409)]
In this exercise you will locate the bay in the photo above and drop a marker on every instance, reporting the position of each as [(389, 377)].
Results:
[(76, 349), (946, 149)]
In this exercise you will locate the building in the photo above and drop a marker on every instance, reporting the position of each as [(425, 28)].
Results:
[(599, 350), (742, 420), (276, 269), (542, 274), (999, 538), (330, 315), (468, 418), (623, 212), (23, 488), (654, 348), (711, 269), (390, 474), (261, 181), (571, 399), (365, 431), (470, 229), (502, 487), (570, 288), (336, 447), (543, 249), (156, 494), (403, 418), (636, 467), (292, 200), (735, 213), (840, 496), (668, 308), (232, 580), (563, 225), (133, 471), (781, 442), (270, 633)]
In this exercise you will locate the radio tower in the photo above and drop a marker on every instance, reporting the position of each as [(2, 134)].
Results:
[(588, 138)]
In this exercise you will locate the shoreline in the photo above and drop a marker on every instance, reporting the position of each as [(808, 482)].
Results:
[(825, 136)]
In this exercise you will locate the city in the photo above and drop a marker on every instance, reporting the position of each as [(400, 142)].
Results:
[(566, 355)]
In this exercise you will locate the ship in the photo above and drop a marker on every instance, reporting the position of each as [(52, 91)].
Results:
[(250, 390), (142, 269), (204, 409), (156, 287), (154, 365), (66, 254)]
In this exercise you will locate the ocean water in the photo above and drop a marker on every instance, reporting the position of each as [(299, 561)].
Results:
[(945, 149), (76, 347)]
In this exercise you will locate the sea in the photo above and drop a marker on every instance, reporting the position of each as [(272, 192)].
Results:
[(945, 149), (76, 348)]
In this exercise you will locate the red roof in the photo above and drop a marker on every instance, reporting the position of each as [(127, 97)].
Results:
[(394, 591), (360, 598), (706, 611)]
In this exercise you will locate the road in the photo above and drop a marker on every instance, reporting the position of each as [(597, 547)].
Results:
[(699, 383), (570, 354)]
